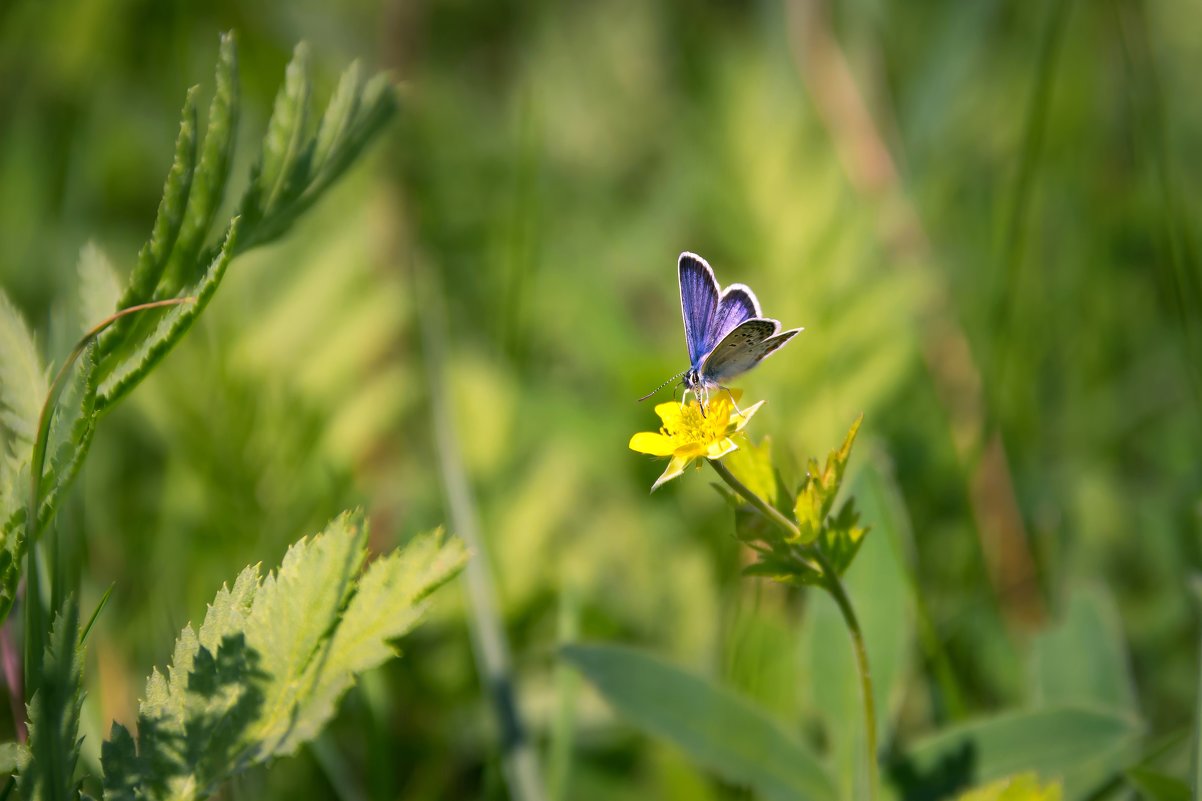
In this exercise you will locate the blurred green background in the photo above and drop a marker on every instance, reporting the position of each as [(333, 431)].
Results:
[(985, 215)]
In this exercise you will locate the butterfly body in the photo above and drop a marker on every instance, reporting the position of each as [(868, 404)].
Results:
[(724, 330)]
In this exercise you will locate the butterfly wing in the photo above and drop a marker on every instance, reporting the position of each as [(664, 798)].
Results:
[(737, 305), (744, 347), (698, 304)]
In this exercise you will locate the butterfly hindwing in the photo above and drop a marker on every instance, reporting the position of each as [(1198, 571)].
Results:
[(698, 303), (741, 349)]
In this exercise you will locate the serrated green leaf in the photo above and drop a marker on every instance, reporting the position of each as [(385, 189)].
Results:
[(54, 715), (293, 612), (368, 108), (71, 430), (23, 379), (13, 757), (836, 462), (99, 289), (283, 142), (387, 604), (1060, 742), (842, 537), (817, 493), (70, 437), (718, 729), (376, 107), (212, 173), (271, 660), (125, 371), (340, 113), (153, 256)]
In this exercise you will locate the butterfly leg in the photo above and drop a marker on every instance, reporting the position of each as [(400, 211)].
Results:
[(733, 403)]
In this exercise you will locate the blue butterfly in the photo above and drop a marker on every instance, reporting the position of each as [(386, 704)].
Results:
[(724, 329)]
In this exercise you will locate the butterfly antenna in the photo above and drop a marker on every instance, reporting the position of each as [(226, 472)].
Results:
[(661, 386)]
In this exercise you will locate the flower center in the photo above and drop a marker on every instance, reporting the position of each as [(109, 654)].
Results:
[(692, 428)]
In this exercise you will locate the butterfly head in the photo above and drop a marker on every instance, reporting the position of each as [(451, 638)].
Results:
[(699, 385)]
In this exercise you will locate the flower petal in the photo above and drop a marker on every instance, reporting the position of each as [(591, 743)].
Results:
[(652, 443), (718, 449), (690, 450), (670, 413), (740, 420), (674, 469)]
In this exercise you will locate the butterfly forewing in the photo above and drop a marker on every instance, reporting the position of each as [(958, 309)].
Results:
[(698, 303), (743, 348), (737, 305)]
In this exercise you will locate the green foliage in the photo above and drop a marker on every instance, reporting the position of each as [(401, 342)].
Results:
[(264, 672), (716, 728), (783, 557), (1082, 659), (752, 464), (828, 677), (295, 166), (173, 265), (1024, 787), (1155, 786), (13, 757), (49, 773), (23, 386), (816, 495), (1064, 742)]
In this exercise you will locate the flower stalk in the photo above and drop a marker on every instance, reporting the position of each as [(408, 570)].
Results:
[(813, 546), (810, 559)]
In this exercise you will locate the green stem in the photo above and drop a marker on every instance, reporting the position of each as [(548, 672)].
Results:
[(811, 554)]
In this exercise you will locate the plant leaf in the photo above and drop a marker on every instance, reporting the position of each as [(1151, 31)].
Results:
[(99, 289), (719, 730), (172, 323), (1082, 660), (208, 184), (54, 714), (1024, 787), (282, 145), (23, 380), (266, 669), (1155, 786), (388, 603), (752, 465), (152, 258), (340, 113), (307, 167), (13, 757), (1055, 742)]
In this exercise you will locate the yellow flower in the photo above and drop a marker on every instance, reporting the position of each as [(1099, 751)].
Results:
[(687, 434)]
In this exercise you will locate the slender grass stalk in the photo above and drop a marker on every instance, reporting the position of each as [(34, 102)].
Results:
[(812, 555), (489, 644)]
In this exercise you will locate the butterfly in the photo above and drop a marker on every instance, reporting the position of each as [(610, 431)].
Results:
[(724, 330)]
